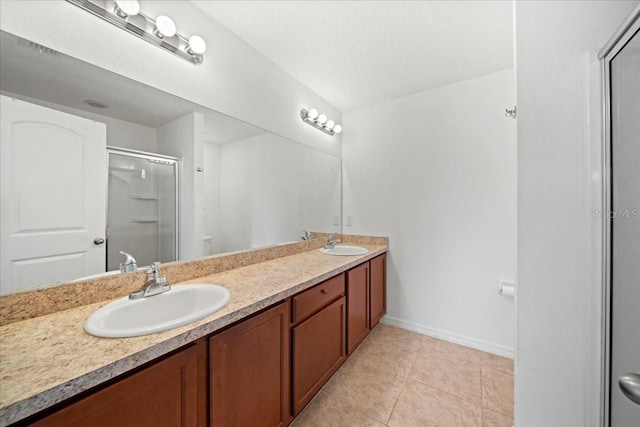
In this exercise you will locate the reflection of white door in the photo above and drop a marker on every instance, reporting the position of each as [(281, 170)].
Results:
[(53, 195)]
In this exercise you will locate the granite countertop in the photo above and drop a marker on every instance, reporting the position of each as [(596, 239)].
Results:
[(50, 358)]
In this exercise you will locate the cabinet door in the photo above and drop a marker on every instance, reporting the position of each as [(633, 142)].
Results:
[(249, 374), (162, 394), (318, 351), (357, 305), (377, 290)]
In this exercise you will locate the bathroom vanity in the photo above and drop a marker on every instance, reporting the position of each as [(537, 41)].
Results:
[(291, 323)]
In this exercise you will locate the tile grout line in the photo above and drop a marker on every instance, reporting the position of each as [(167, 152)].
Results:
[(355, 355), (422, 345), (481, 396), (445, 391), (497, 411), (450, 393), (406, 378)]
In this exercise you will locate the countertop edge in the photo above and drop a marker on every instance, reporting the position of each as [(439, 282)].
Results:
[(29, 406)]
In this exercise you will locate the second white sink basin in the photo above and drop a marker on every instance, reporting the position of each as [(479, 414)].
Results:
[(179, 306), (345, 250)]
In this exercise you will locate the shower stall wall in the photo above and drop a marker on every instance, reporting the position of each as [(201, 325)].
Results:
[(142, 208)]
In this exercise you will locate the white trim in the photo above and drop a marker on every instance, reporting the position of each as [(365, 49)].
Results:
[(621, 32), (594, 131), (500, 350)]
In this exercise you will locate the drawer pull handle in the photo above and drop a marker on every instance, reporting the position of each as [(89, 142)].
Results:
[(323, 291)]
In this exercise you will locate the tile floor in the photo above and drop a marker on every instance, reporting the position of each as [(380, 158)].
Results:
[(398, 378)]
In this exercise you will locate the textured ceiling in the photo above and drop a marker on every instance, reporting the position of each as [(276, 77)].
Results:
[(357, 53)]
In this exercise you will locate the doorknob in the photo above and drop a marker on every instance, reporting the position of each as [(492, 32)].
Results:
[(98, 241), (630, 386)]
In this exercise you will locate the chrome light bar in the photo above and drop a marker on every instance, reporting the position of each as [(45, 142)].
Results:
[(160, 32)]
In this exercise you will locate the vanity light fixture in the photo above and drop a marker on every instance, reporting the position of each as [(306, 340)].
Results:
[(320, 121), (197, 46), (161, 31), (126, 8), (165, 27)]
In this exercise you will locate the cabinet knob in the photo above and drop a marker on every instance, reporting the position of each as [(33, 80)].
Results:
[(323, 291)]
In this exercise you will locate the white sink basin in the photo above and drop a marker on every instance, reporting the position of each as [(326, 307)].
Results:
[(345, 250), (179, 306)]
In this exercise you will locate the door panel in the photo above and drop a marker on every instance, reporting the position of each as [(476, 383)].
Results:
[(249, 371), (625, 228), (53, 195), (318, 351), (357, 306), (377, 290), (162, 394)]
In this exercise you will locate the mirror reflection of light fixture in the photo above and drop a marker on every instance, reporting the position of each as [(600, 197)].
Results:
[(320, 121), (161, 31)]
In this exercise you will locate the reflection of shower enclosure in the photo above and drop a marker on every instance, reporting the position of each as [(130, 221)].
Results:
[(142, 207)]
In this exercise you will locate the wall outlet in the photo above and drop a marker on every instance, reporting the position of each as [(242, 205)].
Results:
[(336, 219), (349, 221)]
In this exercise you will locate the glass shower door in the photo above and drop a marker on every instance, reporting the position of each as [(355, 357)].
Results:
[(142, 208), (622, 68)]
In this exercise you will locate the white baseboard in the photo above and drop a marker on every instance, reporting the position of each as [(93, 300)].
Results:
[(500, 350)]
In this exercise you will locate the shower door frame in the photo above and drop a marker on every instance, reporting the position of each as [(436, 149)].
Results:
[(175, 161), (616, 43)]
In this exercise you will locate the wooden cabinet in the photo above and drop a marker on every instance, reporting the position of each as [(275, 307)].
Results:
[(377, 289), (318, 342), (257, 372), (357, 306), (366, 299), (249, 371), (314, 299), (161, 394)]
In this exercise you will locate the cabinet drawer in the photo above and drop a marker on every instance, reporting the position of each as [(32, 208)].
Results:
[(312, 300)]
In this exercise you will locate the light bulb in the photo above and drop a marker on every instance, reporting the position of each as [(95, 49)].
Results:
[(330, 124), (165, 27), (197, 45), (337, 129), (126, 8), (322, 119), (312, 114)]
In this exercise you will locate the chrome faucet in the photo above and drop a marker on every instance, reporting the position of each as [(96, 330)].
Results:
[(154, 285), (307, 235), (129, 264), (331, 242)]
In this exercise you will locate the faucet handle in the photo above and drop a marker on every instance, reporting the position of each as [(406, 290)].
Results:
[(154, 268)]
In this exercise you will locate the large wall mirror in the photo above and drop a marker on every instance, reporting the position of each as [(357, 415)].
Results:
[(94, 163)]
